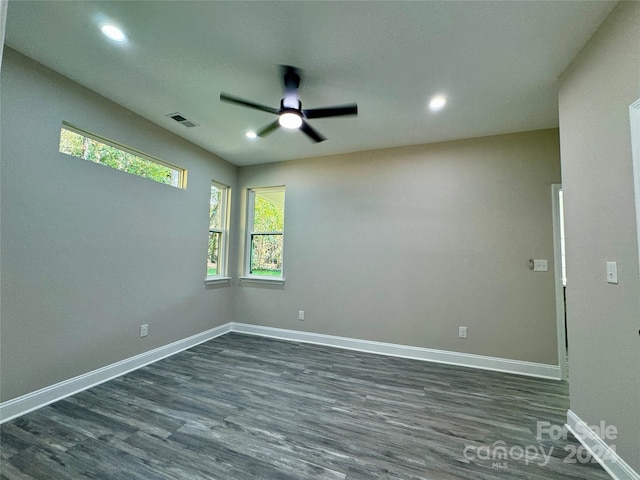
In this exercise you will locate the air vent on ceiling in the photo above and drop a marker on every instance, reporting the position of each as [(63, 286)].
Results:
[(178, 117)]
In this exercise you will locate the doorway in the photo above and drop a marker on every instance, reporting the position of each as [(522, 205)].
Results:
[(560, 273)]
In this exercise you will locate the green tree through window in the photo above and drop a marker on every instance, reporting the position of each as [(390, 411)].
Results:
[(84, 146), (217, 220), (267, 231)]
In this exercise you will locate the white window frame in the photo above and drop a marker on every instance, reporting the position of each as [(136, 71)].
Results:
[(179, 175), (223, 248), (248, 276)]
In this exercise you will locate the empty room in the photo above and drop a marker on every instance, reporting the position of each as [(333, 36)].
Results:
[(320, 240)]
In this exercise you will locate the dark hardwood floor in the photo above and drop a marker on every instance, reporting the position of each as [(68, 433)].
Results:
[(244, 407)]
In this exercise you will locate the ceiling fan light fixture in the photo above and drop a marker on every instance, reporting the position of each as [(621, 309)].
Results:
[(291, 119), (251, 134)]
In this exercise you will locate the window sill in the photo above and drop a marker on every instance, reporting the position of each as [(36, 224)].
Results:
[(217, 280), (266, 280)]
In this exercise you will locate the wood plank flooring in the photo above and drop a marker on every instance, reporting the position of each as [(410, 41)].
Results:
[(242, 407)]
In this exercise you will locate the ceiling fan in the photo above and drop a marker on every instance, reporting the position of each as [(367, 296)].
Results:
[(291, 114)]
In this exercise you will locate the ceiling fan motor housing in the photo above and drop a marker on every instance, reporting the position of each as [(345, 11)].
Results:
[(290, 104)]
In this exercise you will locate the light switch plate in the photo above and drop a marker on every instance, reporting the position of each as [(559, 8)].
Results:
[(612, 272), (540, 265)]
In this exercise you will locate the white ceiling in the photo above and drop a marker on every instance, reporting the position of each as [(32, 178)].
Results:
[(497, 62)]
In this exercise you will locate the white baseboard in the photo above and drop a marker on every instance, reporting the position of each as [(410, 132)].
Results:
[(32, 401), (40, 398), (606, 456), (519, 367)]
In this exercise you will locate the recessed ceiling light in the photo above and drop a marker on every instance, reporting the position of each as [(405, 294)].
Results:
[(113, 32), (437, 102), (251, 134)]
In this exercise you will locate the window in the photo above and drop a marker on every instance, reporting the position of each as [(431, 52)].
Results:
[(81, 144), (265, 229), (216, 258)]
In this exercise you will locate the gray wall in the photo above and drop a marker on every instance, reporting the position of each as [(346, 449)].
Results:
[(89, 253), (404, 245), (400, 245), (604, 345)]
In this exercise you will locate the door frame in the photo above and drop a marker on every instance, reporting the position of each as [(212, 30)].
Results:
[(634, 117), (559, 288)]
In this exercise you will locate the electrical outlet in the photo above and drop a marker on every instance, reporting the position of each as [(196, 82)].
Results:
[(462, 332), (144, 330), (300, 314), (540, 266)]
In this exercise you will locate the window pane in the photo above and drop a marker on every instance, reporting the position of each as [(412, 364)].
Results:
[(87, 148), (215, 208), (266, 254), (268, 212), (214, 254)]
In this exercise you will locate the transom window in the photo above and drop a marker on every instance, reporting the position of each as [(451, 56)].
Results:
[(216, 258), (265, 227), (96, 149)]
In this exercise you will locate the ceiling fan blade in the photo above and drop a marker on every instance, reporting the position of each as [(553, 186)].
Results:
[(268, 129), (246, 103), (306, 128), (337, 111)]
